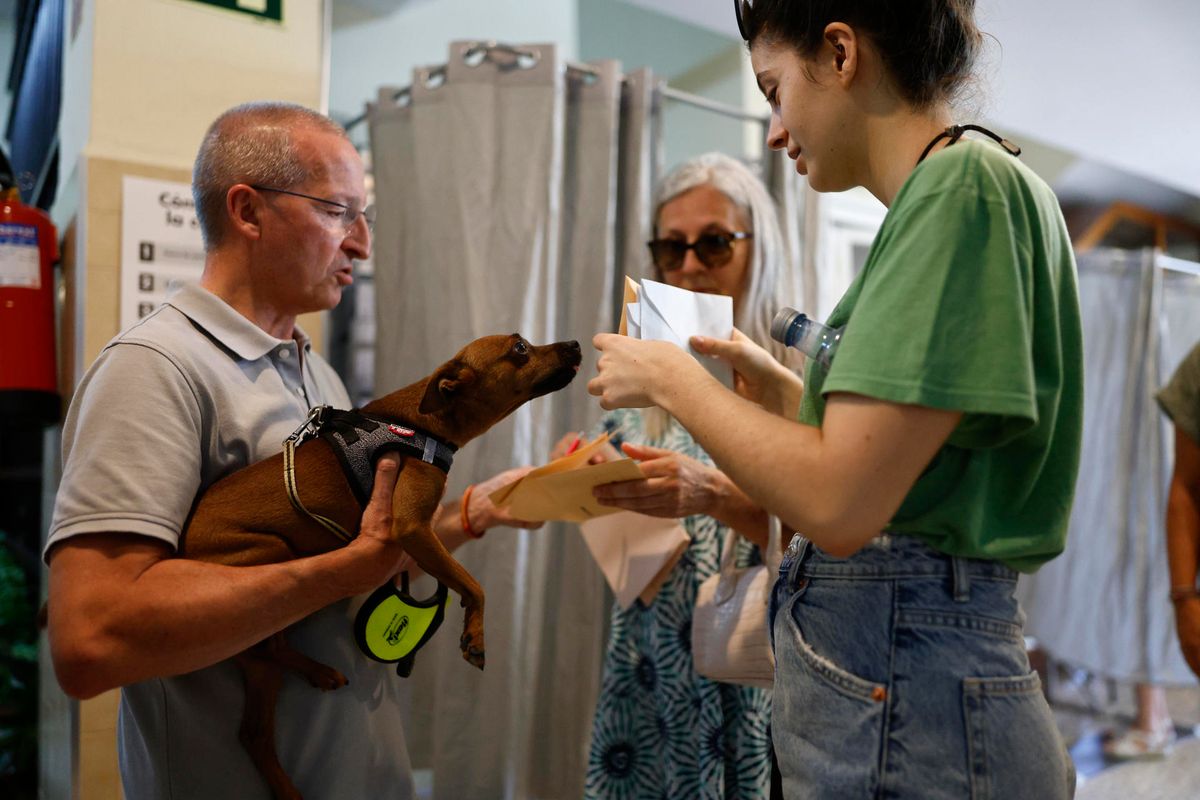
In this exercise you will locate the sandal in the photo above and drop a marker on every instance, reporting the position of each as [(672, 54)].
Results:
[(1135, 744)]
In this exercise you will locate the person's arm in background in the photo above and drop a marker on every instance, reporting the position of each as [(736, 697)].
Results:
[(481, 513), (1183, 543), (122, 609)]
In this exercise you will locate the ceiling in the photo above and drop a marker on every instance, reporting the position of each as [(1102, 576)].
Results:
[(1108, 86)]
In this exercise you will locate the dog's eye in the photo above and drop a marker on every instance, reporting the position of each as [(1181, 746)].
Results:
[(520, 348)]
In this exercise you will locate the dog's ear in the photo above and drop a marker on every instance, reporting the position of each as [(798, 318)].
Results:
[(444, 385)]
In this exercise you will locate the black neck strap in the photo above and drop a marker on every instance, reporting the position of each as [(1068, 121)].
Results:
[(955, 132)]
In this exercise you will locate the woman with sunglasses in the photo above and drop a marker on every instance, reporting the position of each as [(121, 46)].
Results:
[(936, 456), (660, 730)]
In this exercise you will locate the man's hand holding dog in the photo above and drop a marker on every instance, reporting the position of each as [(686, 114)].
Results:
[(380, 549)]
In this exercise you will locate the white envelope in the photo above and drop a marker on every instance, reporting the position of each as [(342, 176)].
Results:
[(667, 313)]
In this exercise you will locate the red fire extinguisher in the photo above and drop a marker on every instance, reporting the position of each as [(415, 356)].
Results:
[(28, 252)]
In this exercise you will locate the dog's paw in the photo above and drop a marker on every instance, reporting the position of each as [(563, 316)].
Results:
[(472, 649), (474, 657)]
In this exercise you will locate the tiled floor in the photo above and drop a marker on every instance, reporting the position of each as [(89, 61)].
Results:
[(1177, 777), (1087, 708)]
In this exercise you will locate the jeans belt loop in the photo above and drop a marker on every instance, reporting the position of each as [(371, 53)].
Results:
[(962, 579), (798, 551)]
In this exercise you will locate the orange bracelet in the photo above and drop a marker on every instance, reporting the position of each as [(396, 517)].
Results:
[(466, 521)]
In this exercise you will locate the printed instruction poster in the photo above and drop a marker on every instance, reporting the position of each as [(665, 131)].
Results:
[(161, 246)]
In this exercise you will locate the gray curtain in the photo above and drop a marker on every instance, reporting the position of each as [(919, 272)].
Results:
[(1102, 605), (512, 194)]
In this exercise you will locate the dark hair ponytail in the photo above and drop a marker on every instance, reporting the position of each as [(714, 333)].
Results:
[(928, 46)]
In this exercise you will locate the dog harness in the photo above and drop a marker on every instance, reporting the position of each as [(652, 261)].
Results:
[(358, 440), (391, 625)]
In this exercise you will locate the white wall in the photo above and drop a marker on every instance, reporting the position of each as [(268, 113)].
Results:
[(375, 48), (163, 71), (75, 117), (688, 57), (1113, 81), (143, 82)]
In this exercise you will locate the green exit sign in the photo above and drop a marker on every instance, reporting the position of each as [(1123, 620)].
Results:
[(262, 9)]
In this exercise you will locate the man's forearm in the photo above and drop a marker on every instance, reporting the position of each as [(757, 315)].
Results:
[(179, 615)]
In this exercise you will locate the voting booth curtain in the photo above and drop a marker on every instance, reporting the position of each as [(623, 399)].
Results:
[(1102, 605), (513, 194)]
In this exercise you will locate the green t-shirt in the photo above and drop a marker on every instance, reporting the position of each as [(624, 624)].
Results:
[(1180, 398), (968, 301)]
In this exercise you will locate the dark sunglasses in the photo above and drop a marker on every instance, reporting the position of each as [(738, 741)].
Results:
[(742, 9), (713, 249)]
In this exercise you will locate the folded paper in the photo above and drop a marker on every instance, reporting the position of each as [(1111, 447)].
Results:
[(635, 552)]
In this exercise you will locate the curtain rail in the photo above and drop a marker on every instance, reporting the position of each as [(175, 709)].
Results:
[(712, 105), (1176, 264), (676, 95)]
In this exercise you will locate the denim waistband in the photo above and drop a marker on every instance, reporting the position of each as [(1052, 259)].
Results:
[(889, 555)]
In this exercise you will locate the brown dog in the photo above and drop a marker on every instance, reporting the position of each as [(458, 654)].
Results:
[(247, 518)]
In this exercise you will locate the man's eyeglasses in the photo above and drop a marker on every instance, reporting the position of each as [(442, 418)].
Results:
[(713, 249), (742, 9), (349, 213)]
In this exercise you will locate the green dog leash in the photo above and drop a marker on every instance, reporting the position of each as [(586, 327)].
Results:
[(392, 625)]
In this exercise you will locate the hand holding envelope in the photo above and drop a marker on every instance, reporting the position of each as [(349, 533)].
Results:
[(665, 313), (635, 552), (562, 489)]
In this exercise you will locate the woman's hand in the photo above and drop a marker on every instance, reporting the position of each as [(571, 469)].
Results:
[(675, 485), (483, 514), (637, 373), (565, 445), (757, 376)]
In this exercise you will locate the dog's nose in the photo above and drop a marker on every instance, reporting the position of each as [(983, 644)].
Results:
[(573, 346)]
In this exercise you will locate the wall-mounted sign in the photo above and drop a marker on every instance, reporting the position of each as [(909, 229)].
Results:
[(262, 9), (161, 246)]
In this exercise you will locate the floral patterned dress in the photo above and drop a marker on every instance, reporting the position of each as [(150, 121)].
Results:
[(661, 730)]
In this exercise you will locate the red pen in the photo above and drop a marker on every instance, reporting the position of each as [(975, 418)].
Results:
[(575, 445)]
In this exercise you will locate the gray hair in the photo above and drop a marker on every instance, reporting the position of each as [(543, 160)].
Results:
[(770, 283), (768, 288), (252, 144)]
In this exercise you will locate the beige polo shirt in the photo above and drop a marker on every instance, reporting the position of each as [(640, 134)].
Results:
[(191, 393)]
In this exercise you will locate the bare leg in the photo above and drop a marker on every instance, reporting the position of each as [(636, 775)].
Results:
[(1153, 716)]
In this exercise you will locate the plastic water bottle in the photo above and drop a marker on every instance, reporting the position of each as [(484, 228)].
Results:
[(818, 342)]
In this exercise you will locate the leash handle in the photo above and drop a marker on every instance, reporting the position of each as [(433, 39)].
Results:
[(293, 491)]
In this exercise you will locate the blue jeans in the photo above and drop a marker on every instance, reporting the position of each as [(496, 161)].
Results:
[(901, 673)]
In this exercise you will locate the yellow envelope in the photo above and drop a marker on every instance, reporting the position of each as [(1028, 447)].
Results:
[(562, 489), (631, 296)]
